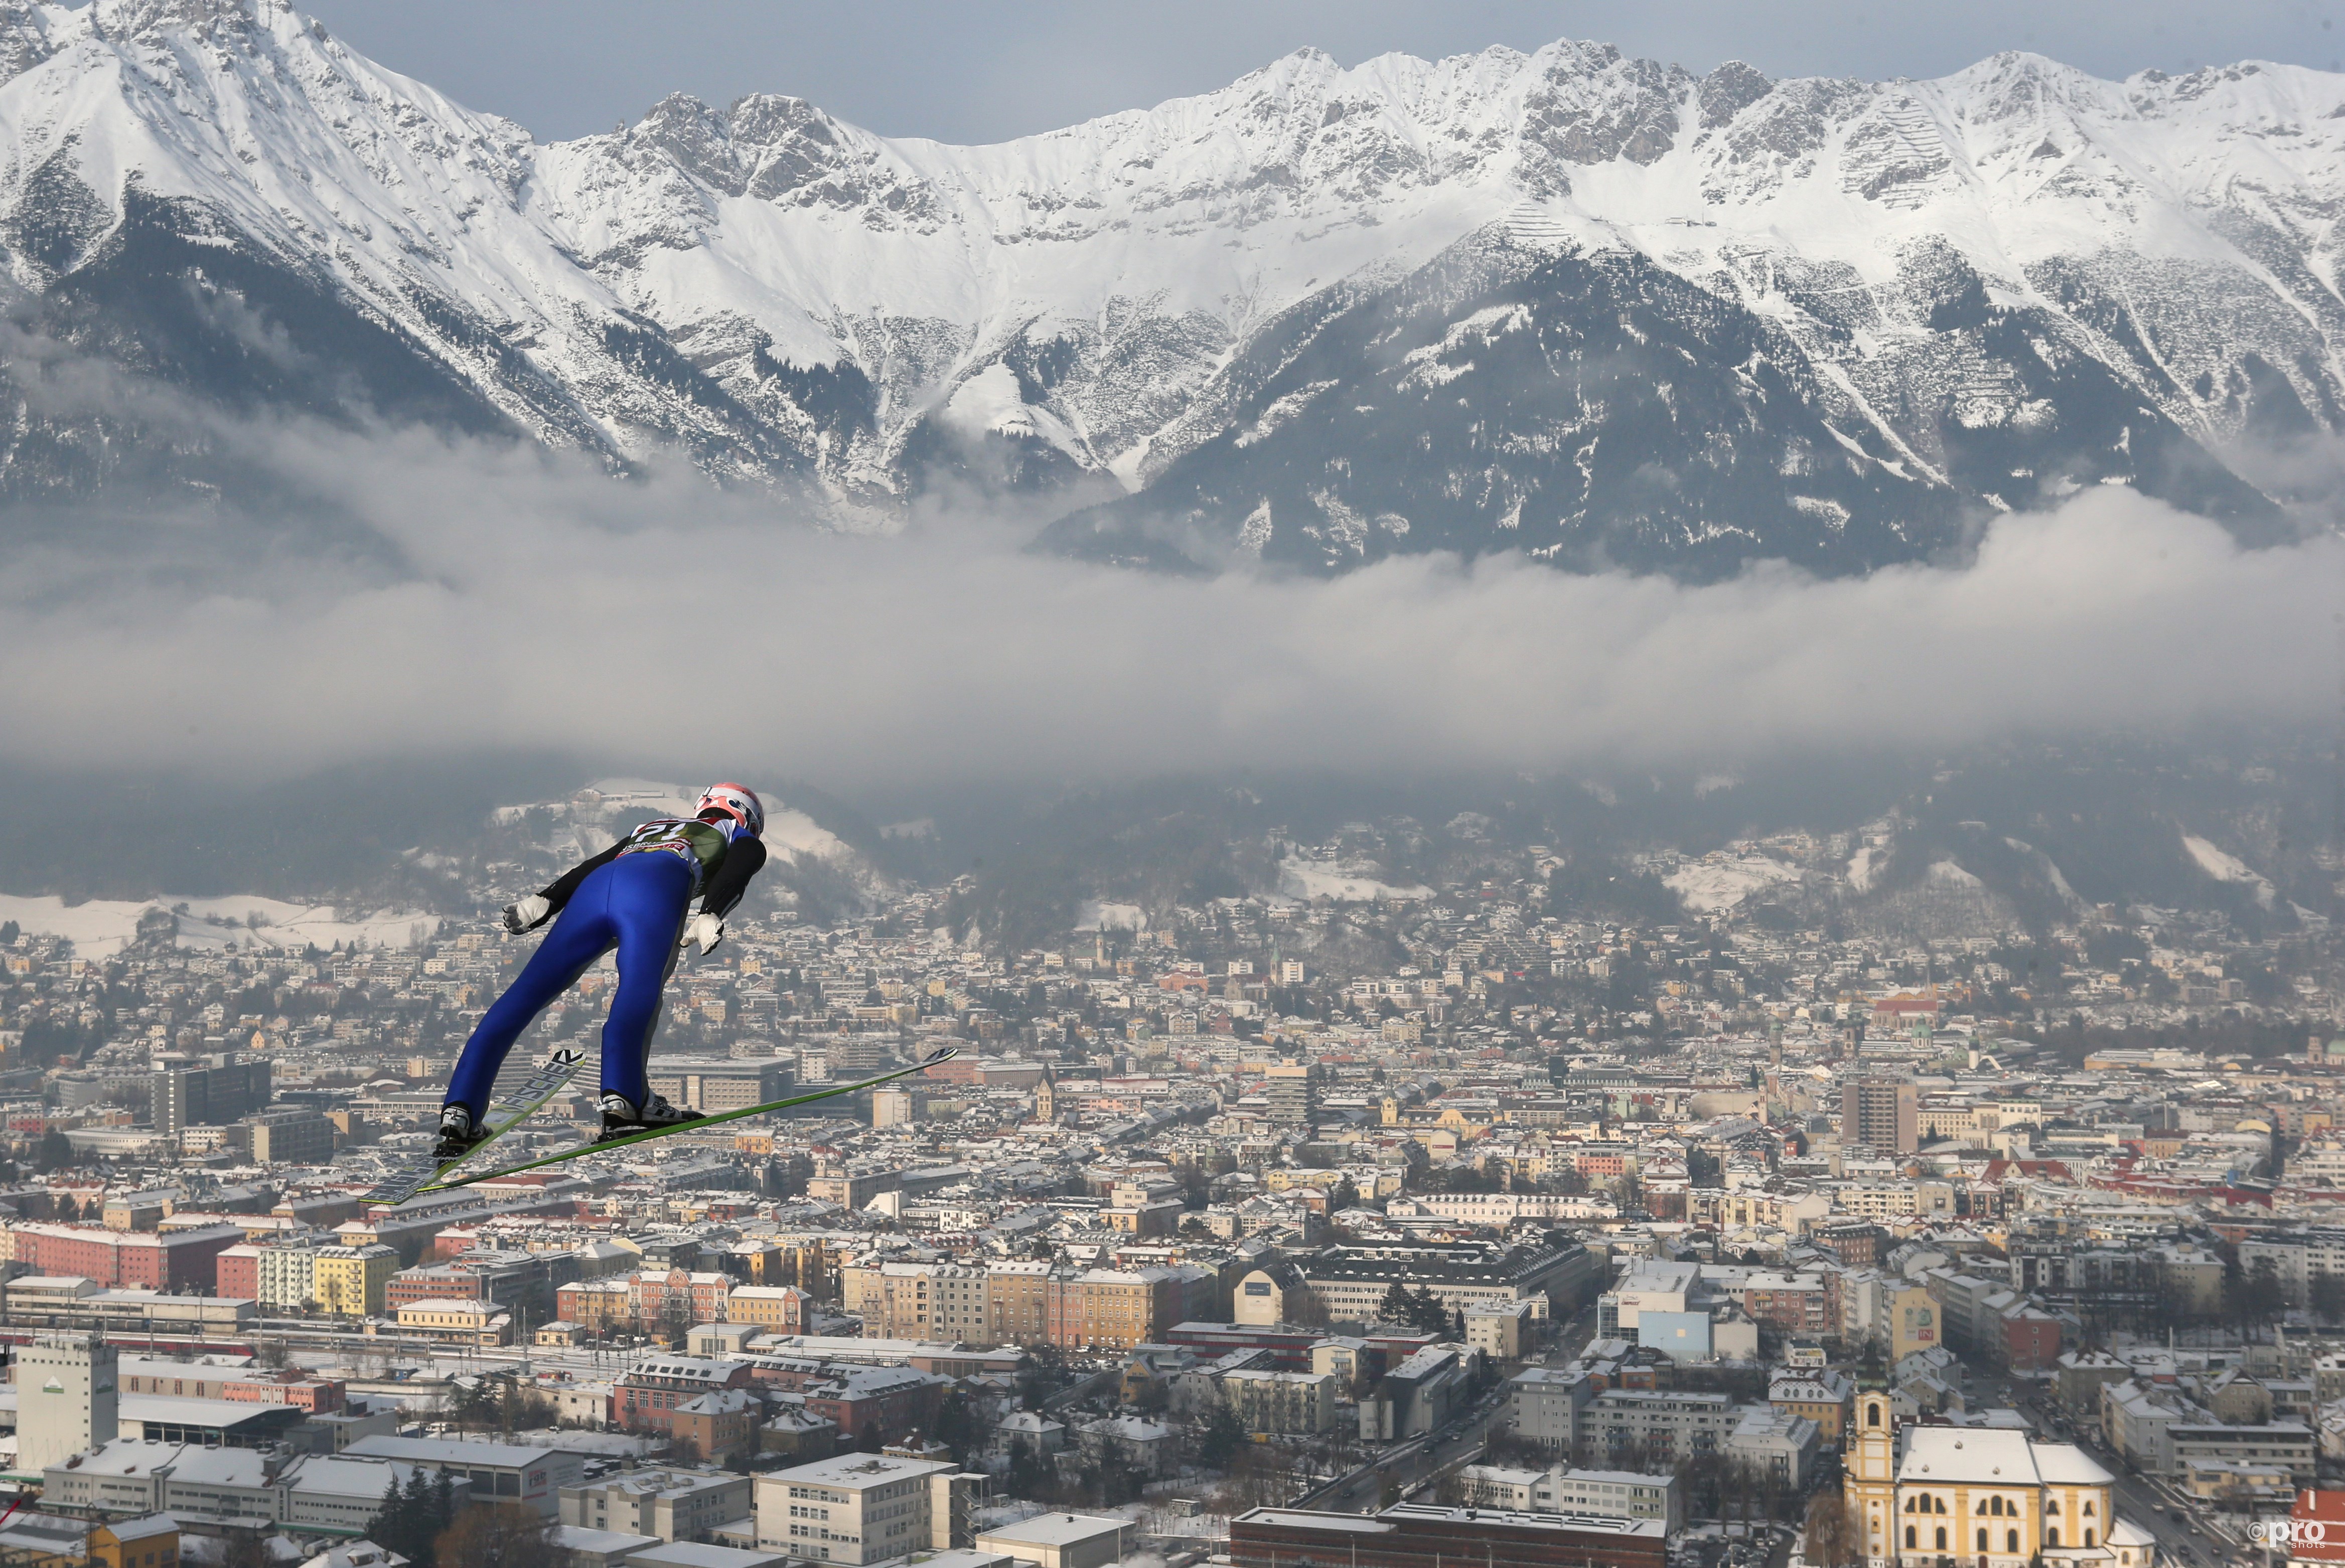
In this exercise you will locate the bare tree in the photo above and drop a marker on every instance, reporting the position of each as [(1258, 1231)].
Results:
[(1831, 1541), (486, 1536)]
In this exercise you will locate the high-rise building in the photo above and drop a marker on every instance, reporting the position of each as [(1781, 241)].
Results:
[(285, 1277), (205, 1091), (291, 1136), (859, 1055), (65, 1400), (894, 1107), (1292, 1090), (1882, 1115)]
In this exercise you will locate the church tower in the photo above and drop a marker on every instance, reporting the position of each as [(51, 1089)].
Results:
[(1046, 1100), (1869, 1488)]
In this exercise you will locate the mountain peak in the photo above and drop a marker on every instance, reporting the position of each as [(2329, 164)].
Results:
[(1316, 316), (23, 36), (1730, 89), (148, 19)]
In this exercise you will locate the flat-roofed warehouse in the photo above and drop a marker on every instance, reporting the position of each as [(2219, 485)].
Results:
[(1059, 1540), (712, 1084), (1418, 1535), (507, 1472)]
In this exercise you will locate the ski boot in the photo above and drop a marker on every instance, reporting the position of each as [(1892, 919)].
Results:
[(458, 1133), (622, 1118)]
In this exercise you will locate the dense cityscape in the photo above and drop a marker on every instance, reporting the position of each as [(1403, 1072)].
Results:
[(1703, 1238)]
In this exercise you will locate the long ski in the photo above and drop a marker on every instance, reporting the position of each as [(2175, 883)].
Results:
[(413, 1178), (603, 1146)]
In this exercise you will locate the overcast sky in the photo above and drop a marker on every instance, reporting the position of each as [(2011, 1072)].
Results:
[(972, 73)]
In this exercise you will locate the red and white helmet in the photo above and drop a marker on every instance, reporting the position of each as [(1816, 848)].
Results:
[(738, 802)]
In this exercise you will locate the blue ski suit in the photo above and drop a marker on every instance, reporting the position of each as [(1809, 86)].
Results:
[(634, 896)]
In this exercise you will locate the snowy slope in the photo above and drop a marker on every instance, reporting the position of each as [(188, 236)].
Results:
[(101, 927), (1720, 881), (310, 205), (1909, 302), (2224, 866)]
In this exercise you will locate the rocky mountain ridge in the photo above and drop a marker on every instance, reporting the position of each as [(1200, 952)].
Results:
[(1595, 309)]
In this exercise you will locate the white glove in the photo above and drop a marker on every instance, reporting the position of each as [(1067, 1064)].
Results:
[(705, 929), (528, 914)]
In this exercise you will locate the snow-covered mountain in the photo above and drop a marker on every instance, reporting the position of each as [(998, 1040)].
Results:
[(1596, 308)]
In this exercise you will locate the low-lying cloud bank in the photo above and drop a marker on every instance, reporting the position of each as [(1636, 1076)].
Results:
[(472, 598)]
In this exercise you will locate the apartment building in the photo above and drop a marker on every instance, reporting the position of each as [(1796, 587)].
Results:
[(1882, 1115), (779, 1309), (1664, 1428), (861, 1508), (2295, 1259), (1545, 1406), (354, 1282), (1288, 1403), (1017, 1303), (284, 1279), (673, 1505), (947, 1302), (1795, 1303), (1109, 1308)]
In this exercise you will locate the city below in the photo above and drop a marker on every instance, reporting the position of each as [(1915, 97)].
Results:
[(1477, 1228)]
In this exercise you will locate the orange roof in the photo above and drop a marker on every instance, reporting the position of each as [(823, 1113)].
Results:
[(2321, 1509)]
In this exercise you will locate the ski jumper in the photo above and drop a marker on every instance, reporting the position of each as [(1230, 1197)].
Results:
[(634, 896)]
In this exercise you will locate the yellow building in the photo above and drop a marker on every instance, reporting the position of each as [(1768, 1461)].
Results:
[(1107, 1308), (1017, 1303), (1921, 1495), (1947, 1120), (355, 1282), (1822, 1397), (1910, 1319), (152, 1542), (596, 1306), (783, 1308), (455, 1322)]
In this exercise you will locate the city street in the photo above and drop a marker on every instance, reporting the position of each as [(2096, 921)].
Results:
[(1412, 1464)]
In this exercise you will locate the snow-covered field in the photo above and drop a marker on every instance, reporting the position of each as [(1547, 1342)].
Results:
[(1345, 881), (103, 926), (1710, 885), (1096, 915)]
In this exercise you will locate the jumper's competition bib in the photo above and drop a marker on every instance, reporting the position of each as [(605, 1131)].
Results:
[(701, 843)]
